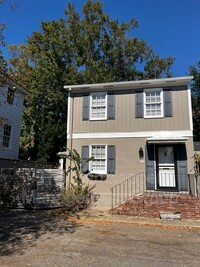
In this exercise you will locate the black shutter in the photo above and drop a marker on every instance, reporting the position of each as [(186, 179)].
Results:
[(84, 157), (167, 103), (86, 108), (150, 171), (182, 172), (111, 106), (111, 160), (139, 106)]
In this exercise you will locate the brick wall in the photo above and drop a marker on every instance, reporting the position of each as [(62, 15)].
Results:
[(150, 205)]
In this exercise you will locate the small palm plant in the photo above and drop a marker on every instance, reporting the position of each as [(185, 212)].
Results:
[(77, 195)]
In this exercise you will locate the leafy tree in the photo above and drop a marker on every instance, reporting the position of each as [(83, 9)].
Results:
[(195, 71), (44, 120), (86, 48)]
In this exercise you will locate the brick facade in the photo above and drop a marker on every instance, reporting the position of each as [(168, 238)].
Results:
[(150, 205)]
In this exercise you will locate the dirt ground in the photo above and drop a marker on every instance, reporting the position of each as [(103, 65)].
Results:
[(36, 238)]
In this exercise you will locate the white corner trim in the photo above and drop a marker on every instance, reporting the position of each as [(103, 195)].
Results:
[(68, 114), (186, 133), (190, 109)]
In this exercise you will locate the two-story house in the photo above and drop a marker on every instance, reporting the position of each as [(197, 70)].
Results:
[(11, 107), (140, 132)]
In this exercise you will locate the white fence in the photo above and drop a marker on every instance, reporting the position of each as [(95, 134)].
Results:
[(31, 188)]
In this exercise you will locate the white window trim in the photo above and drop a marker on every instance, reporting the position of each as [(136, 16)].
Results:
[(106, 109), (106, 158), (162, 103), (10, 139), (13, 92)]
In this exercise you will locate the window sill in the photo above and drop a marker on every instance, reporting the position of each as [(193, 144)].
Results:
[(100, 119), (153, 117)]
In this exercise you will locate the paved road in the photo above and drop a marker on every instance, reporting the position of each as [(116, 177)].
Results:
[(36, 239)]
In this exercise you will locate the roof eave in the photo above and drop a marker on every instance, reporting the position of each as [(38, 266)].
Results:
[(130, 84)]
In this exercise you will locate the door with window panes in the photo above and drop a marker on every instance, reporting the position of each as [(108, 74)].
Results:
[(166, 177)]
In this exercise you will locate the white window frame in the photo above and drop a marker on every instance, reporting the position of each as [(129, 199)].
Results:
[(106, 159), (10, 96), (106, 105), (9, 142), (161, 103)]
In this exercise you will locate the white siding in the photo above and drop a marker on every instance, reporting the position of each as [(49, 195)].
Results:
[(12, 115)]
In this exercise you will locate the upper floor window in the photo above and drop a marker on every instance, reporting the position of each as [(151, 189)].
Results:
[(99, 162), (6, 135), (153, 103), (98, 106), (10, 95)]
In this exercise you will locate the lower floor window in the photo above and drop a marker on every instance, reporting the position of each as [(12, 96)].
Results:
[(6, 135), (98, 164)]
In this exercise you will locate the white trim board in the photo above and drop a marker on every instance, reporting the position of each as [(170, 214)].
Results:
[(190, 108), (127, 134), (133, 84)]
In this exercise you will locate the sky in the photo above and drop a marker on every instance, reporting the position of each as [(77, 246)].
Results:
[(170, 27)]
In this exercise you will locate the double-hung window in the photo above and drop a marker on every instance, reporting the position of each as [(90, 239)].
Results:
[(99, 162), (98, 106), (6, 135), (153, 103), (10, 95)]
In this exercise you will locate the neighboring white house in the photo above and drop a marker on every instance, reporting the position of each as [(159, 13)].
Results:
[(11, 107)]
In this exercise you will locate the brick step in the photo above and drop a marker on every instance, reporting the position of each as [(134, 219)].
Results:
[(150, 205)]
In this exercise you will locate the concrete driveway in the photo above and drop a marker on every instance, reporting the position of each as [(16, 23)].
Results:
[(37, 238)]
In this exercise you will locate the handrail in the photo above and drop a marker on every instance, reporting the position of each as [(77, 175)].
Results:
[(138, 184), (128, 188), (126, 180)]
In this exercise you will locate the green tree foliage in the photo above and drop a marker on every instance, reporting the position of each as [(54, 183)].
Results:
[(80, 48), (3, 69), (44, 119), (2, 61), (195, 71)]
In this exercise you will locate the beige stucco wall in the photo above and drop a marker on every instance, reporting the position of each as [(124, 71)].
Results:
[(125, 120), (128, 163)]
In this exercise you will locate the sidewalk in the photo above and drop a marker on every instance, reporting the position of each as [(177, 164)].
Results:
[(95, 216)]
